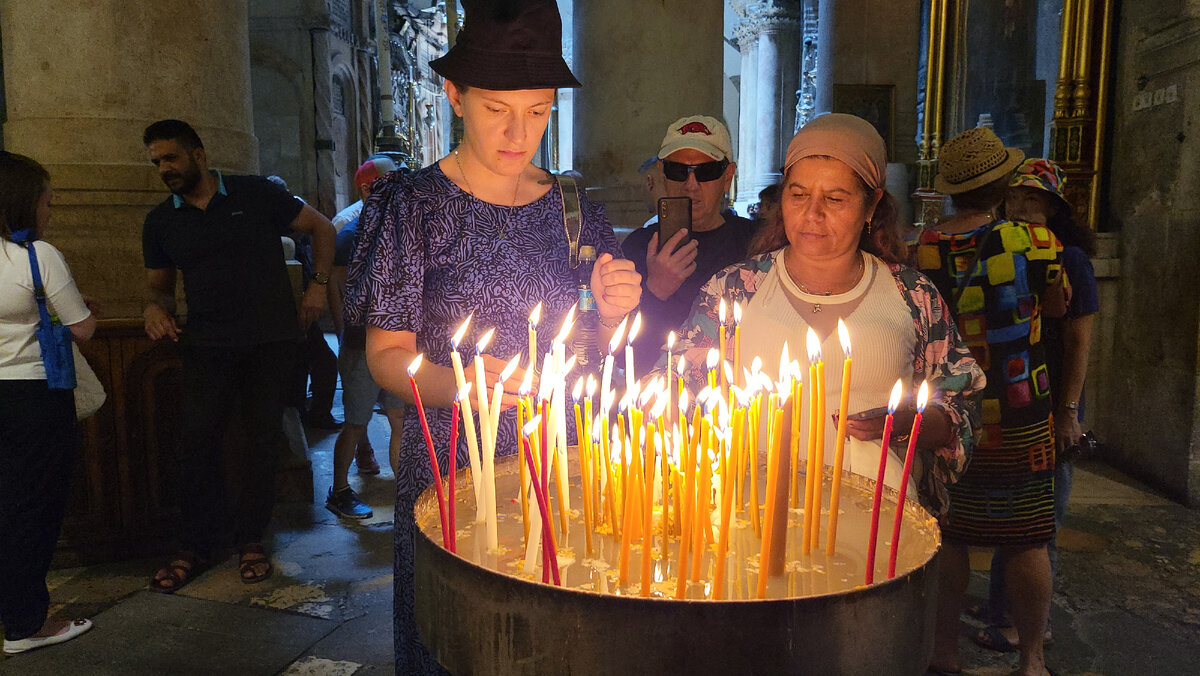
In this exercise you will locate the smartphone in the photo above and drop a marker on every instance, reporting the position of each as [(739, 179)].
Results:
[(674, 214), (868, 414)]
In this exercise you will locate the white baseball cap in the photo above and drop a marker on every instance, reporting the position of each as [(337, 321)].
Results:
[(698, 132)]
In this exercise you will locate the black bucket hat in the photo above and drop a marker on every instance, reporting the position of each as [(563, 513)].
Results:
[(506, 45)]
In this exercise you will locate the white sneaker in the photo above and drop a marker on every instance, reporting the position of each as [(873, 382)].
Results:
[(74, 629)]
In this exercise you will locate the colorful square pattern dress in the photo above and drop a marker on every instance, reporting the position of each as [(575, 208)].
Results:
[(1006, 495)]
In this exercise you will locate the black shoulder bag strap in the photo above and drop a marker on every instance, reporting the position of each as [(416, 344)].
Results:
[(572, 216)]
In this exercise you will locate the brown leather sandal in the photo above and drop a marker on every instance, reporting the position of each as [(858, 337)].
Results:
[(177, 573), (251, 556)]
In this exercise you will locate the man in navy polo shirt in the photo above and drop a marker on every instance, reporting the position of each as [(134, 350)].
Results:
[(223, 234)]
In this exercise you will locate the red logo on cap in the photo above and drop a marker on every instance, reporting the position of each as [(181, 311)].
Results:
[(695, 128)]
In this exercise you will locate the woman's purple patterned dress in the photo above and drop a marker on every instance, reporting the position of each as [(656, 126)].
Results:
[(428, 255)]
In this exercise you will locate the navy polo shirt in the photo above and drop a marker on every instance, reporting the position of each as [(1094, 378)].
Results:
[(231, 258)]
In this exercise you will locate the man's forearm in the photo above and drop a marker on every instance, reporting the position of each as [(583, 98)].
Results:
[(165, 301)]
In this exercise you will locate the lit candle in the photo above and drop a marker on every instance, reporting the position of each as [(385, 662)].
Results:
[(771, 512), (820, 458), (893, 404), (460, 381), (606, 394), (629, 368), (721, 342), (669, 372), (737, 338), (487, 435), (843, 410), (437, 474), (922, 398), (797, 377), (534, 317), (727, 460), (710, 362), (813, 470)]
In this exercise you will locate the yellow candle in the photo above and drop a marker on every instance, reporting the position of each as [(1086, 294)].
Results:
[(843, 409), (630, 515), (764, 559), (737, 341), (794, 442), (755, 421), (721, 344), (583, 476), (820, 456), (718, 586), (686, 525), (648, 519), (812, 472)]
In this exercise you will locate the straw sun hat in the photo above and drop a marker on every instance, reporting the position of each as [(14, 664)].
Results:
[(973, 159)]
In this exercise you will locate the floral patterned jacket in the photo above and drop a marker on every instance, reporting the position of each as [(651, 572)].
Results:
[(940, 357)]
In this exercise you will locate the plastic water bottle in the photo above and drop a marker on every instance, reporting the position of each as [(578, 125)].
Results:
[(587, 354)]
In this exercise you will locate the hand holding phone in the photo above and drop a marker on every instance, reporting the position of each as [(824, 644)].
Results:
[(674, 214)]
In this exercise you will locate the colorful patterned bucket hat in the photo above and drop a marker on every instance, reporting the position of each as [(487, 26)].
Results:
[(1041, 174)]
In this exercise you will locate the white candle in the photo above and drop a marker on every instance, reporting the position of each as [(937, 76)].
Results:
[(629, 368), (464, 398), (486, 433)]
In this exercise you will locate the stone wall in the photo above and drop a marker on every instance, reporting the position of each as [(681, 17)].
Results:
[(1146, 394)]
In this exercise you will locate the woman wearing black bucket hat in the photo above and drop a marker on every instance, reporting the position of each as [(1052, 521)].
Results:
[(1000, 279), (480, 232)]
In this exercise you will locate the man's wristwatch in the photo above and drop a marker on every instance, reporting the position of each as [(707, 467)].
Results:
[(1071, 405), (321, 278)]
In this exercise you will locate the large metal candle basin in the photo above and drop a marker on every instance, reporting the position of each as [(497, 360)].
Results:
[(478, 621)]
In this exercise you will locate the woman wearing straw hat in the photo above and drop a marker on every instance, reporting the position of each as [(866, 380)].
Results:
[(1000, 278), (481, 231)]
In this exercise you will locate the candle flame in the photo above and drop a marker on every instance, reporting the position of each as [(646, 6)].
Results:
[(484, 341), (657, 411), (569, 366), (681, 366), (577, 391), (703, 394), (592, 384), (814, 346), (728, 372), (756, 365), (721, 312), (894, 400), (784, 389), (764, 383), (713, 358), (456, 340), (737, 313), (844, 336), (644, 395), (509, 368), (742, 396), (671, 341), (532, 426), (536, 315), (596, 427), (526, 384), (683, 400), (784, 361), (797, 373), (615, 341), (415, 364), (922, 396), (634, 328), (464, 393), (565, 329), (749, 379)]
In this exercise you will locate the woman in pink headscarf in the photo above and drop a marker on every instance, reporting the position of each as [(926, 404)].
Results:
[(835, 252)]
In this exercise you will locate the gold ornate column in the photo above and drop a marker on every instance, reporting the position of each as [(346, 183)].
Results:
[(1077, 132), (927, 201)]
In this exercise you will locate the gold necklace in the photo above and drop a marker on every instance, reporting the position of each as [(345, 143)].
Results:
[(861, 268), (511, 208)]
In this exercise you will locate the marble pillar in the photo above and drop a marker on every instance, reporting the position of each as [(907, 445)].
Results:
[(747, 43), (82, 81), (643, 65), (768, 106)]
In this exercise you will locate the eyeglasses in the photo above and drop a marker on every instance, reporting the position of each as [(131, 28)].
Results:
[(708, 171)]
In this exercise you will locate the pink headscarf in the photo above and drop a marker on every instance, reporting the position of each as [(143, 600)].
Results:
[(843, 137)]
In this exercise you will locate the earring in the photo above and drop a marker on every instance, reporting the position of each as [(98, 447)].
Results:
[(868, 227)]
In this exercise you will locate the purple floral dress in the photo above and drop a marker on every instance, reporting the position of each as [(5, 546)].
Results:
[(940, 357), (428, 255)]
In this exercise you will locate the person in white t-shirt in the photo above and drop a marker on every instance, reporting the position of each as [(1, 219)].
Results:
[(373, 168), (37, 424)]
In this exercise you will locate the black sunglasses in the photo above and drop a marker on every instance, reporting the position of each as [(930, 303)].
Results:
[(708, 171)]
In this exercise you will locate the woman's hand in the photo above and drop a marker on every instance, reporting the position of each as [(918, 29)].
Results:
[(493, 368), (617, 287)]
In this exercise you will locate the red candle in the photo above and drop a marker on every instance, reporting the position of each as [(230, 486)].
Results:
[(540, 496), (437, 474), (893, 403), (452, 471), (922, 397)]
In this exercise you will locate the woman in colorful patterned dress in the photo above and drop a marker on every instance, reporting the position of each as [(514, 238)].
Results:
[(1002, 277), (479, 232), (834, 252)]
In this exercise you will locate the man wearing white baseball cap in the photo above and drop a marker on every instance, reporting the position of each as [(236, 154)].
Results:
[(696, 158)]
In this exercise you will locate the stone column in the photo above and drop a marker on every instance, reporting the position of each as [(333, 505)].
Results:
[(642, 65), (774, 25), (79, 101), (747, 43)]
